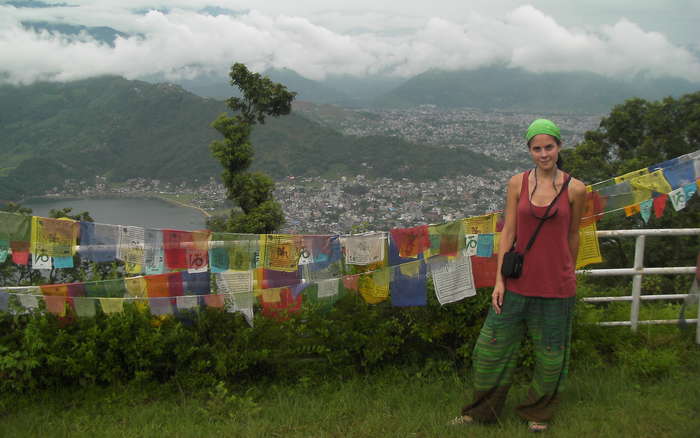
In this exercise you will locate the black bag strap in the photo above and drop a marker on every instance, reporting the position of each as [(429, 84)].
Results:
[(546, 214)]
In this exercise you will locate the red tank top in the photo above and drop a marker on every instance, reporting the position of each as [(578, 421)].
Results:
[(548, 270)]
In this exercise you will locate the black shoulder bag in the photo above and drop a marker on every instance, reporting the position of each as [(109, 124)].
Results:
[(513, 261)]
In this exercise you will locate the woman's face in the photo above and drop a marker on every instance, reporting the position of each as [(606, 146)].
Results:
[(544, 151)]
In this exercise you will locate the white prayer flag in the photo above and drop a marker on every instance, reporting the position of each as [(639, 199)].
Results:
[(187, 302), (328, 288), (40, 261), (678, 198), (234, 281), (364, 249), (453, 278)]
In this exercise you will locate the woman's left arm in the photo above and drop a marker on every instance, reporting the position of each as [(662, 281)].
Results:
[(577, 195)]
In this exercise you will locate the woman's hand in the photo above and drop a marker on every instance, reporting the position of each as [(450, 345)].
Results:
[(497, 297)]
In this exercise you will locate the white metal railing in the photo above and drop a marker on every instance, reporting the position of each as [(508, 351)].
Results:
[(638, 271)]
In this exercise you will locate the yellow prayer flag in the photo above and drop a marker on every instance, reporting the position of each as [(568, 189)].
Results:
[(588, 248), (136, 286), (410, 269), (271, 295), (280, 252), (372, 292), (654, 181), (631, 210), (485, 224), (53, 237), (112, 305), (631, 175)]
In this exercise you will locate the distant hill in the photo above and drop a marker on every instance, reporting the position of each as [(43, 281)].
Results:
[(217, 86), (124, 129), (516, 89)]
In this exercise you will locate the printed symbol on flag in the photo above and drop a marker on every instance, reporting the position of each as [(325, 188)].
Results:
[(471, 244)]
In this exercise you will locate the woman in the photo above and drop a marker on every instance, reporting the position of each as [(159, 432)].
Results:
[(541, 300)]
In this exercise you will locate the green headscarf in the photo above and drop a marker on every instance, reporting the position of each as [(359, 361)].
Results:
[(542, 126)]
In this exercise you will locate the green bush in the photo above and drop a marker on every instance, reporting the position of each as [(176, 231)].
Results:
[(334, 339)]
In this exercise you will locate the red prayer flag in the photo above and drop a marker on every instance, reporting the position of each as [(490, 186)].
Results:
[(411, 241), (175, 245), (484, 269), (660, 205), (20, 258), (56, 304), (214, 300), (279, 309), (351, 281)]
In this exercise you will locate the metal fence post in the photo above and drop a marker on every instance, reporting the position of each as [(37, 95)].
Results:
[(637, 281)]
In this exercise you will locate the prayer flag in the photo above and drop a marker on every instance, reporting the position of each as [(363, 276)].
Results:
[(160, 306), (175, 245), (328, 288), (279, 308), (588, 248), (112, 305), (20, 258), (53, 237), (364, 249), (350, 282), (98, 242), (84, 307), (63, 262), (56, 304), (593, 208), (484, 224), (411, 241), (16, 229), (660, 205), (216, 301), (41, 261), (408, 284), (198, 253), (451, 238), (678, 199), (280, 252), (374, 288), (471, 243), (4, 250), (484, 269), (153, 252), (136, 287), (645, 208), (29, 302), (196, 283), (631, 210), (187, 302), (678, 171), (484, 246), (689, 190), (452, 278), (234, 281), (654, 181)]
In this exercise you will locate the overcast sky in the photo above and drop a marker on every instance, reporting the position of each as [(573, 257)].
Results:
[(321, 37)]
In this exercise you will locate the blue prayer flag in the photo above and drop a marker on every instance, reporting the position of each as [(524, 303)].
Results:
[(484, 245)]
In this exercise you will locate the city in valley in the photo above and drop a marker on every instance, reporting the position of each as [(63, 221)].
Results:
[(356, 203)]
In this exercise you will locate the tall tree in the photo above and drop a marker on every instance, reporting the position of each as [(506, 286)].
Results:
[(637, 134), (251, 191)]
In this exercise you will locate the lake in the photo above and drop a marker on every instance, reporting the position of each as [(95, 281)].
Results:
[(149, 213)]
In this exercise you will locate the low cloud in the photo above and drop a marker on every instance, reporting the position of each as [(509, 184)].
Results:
[(185, 43)]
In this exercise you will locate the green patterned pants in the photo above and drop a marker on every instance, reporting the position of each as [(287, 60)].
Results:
[(548, 322)]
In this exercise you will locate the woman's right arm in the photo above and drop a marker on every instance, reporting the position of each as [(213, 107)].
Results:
[(507, 237)]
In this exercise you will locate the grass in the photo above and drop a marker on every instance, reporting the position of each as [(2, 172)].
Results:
[(396, 403)]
